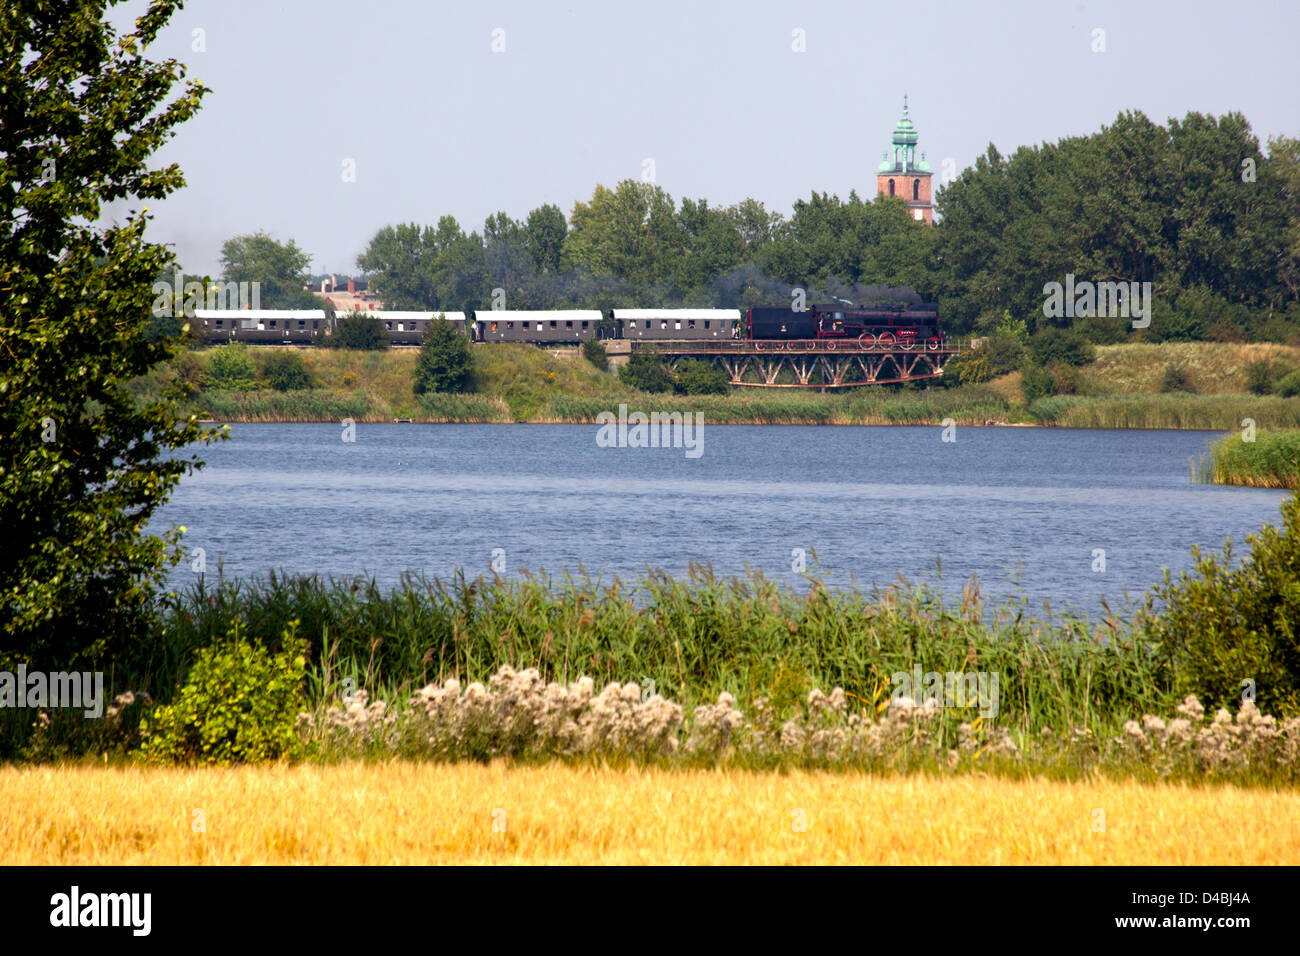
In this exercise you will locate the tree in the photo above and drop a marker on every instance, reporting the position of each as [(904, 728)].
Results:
[(279, 269), (445, 363), (546, 230), (359, 332), (593, 350), (285, 371), (1056, 347), (230, 368), (84, 465), (398, 264), (645, 371), (698, 377)]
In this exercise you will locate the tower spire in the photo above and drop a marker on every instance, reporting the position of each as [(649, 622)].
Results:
[(901, 173)]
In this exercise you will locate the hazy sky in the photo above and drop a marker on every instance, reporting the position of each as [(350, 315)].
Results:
[(438, 123)]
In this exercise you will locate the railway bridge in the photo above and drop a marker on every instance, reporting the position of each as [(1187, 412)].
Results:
[(806, 363)]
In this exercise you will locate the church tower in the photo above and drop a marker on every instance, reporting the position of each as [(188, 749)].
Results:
[(904, 175)]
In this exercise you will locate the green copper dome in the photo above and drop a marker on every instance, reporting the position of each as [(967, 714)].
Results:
[(905, 132), (904, 149)]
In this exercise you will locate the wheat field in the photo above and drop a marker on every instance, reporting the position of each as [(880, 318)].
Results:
[(408, 813)]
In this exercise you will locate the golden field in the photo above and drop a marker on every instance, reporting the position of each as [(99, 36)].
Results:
[(411, 813)]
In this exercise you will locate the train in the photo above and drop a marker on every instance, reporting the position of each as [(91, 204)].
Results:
[(914, 326)]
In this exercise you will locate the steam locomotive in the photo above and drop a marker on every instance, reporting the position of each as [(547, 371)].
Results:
[(907, 328)]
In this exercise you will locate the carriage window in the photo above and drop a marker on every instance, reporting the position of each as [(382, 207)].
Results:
[(494, 325), (302, 323), (663, 323), (552, 325), (509, 325), (584, 325), (218, 323), (539, 326), (568, 325), (315, 323), (273, 323), (706, 323), (631, 323)]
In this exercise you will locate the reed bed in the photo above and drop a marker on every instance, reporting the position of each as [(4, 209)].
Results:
[(312, 405), (412, 813), (966, 406), (1272, 460), (693, 638), (1204, 412)]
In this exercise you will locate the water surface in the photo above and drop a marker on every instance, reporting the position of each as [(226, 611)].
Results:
[(872, 502)]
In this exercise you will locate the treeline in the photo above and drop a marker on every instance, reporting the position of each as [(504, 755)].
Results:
[(1193, 207)]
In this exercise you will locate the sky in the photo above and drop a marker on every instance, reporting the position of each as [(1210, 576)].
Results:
[(328, 120)]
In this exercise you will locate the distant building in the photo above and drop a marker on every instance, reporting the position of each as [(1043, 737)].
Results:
[(904, 175), (355, 298)]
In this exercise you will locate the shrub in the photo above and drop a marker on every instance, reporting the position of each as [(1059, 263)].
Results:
[(285, 371), (230, 368), (1223, 626), (1004, 353), (967, 368), (593, 350), (360, 332), (698, 377), (240, 704), (1260, 377), (1289, 386), (1054, 346), (1103, 329), (445, 363), (1035, 382), (646, 372), (1065, 379), (1012, 328), (1176, 379)]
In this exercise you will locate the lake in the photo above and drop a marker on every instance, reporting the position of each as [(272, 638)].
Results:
[(871, 502)]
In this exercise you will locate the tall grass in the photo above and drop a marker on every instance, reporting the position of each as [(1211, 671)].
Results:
[(966, 406), (694, 638), (1272, 460), (311, 405), (443, 407), (1207, 412)]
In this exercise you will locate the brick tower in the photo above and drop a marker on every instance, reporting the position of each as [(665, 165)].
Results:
[(905, 176)]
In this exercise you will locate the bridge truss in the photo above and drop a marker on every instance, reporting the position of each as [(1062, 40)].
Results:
[(810, 363)]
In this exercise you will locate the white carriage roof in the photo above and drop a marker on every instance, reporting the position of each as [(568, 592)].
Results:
[(555, 315), (260, 314), (264, 314), (391, 315), (677, 314)]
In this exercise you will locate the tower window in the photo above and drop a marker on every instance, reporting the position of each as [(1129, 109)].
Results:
[(916, 189), (891, 187)]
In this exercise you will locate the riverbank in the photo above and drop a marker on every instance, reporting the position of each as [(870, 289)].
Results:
[(518, 383)]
